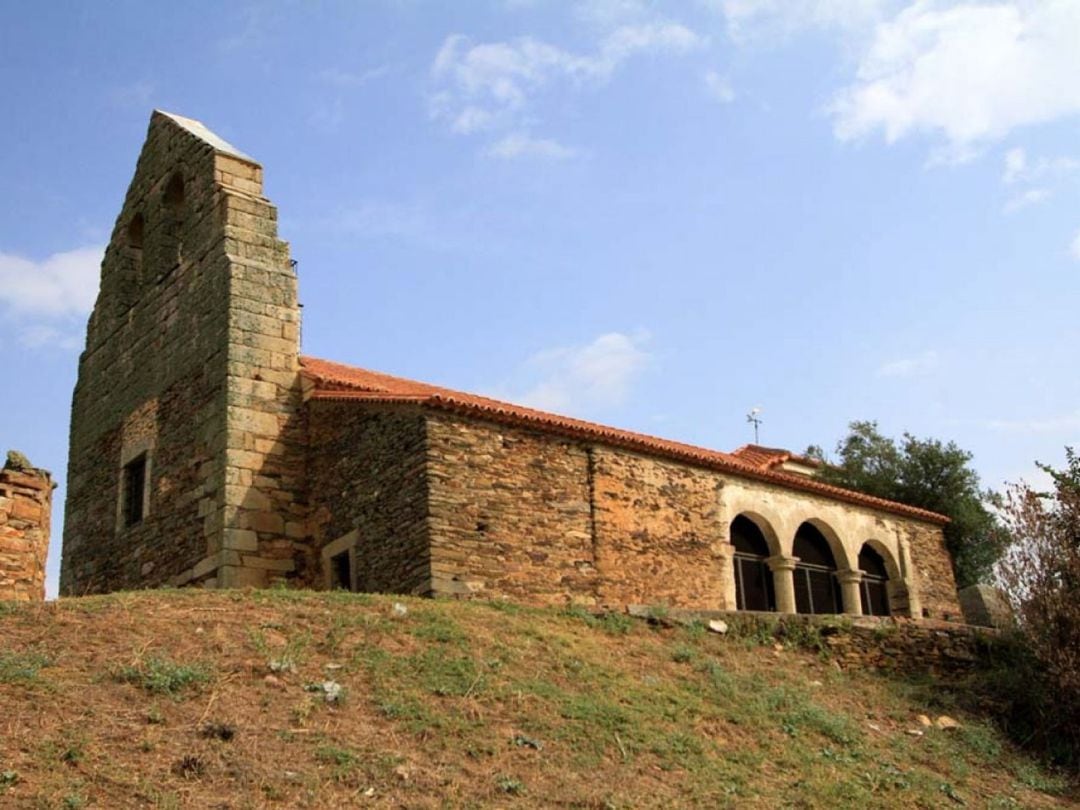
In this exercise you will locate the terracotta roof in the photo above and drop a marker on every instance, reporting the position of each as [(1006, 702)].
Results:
[(770, 458), (336, 381)]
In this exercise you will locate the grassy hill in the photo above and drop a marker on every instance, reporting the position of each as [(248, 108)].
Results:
[(230, 700)]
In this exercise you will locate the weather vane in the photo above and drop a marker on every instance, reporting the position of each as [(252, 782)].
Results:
[(754, 420)]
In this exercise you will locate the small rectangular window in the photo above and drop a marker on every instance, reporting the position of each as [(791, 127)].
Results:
[(341, 571), (134, 490)]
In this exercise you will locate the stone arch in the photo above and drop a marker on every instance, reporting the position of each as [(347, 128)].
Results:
[(764, 525), (752, 549), (817, 587), (892, 566), (893, 598), (839, 549)]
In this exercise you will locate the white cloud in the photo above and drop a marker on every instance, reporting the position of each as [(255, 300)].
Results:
[(489, 85), (1032, 196), (1015, 164), (519, 145), (1039, 176), (719, 87), (910, 366), (599, 374), (1019, 170), (972, 72), (1074, 247), (61, 285)]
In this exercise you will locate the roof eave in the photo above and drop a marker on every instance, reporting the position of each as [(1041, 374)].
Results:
[(615, 438)]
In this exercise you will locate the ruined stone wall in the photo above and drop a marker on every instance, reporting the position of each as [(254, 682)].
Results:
[(659, 538), (25, 513), (190, 359), (510, 513), (367, 474)]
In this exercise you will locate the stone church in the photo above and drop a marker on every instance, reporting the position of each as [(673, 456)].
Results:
[(206, 450)]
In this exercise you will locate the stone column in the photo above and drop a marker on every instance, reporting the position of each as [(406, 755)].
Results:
[(724, 554), (914, 603), (849, 590), (783, 571)]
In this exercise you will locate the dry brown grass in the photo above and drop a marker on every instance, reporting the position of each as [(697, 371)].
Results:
[(163, 700)]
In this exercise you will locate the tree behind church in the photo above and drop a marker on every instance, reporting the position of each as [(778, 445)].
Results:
[(1040, 571), (928, 474)]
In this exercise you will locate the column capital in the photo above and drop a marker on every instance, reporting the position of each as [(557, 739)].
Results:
[(780, 562), (849, 576)]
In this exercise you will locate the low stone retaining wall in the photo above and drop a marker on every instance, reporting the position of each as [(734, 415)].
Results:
[(858, 641)]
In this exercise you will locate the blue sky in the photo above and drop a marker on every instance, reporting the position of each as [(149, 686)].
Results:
[(652, 215)]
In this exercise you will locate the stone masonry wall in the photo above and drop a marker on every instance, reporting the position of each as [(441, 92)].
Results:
[(658, 532), (367, 473), (191, 358), (921, 583), (262, 520), (510, 513), (25, 511), (932, 572), (861, 642), (150, 378), (534, 517)]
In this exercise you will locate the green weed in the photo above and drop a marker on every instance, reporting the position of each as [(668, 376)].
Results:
[(682, 654), (343, 760), (160, 676), (18, 667), (438, 627), (510, 785)]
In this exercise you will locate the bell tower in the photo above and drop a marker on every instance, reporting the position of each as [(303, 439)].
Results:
[(186, 459)]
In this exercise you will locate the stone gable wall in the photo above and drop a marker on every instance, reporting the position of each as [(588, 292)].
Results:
[(150, 380), (367, 473), (25, 511), (192, 358)]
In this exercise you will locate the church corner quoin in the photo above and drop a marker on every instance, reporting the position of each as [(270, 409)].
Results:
[(206, 450)]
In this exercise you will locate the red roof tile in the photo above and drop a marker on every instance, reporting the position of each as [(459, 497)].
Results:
[(336, 381), (769, 458)]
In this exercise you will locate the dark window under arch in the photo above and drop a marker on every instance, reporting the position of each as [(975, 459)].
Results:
[(817, 590), (753, 579), (874, 586)]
